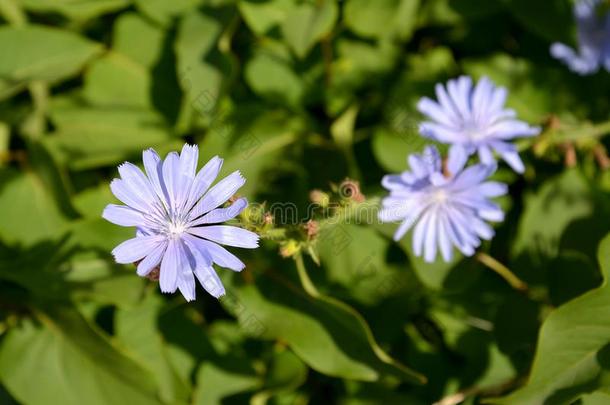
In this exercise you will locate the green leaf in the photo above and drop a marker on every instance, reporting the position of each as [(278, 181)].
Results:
[(571, 356), (391, 148), (123, 76), (116, 81), (136, 327), (261, 17), (35, 217), (274, 79), (381, 18), (40, 53), (71, 362), (328, 335), (559, 202), (342, 129), (596, 398), (250, 145), (91, 137), (164, 12), (215, 383), (76, 10), (354, 257), (199, 79), (308, 23)]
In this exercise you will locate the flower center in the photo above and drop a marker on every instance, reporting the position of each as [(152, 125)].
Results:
[(473, 131), (439, 196), (175, 229)]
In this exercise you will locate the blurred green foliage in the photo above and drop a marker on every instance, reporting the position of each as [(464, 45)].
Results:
[(297, 94)]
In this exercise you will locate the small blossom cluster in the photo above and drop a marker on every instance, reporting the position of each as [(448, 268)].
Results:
[(447, 202)]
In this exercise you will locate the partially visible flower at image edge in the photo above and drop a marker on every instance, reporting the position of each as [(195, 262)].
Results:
[(473, 119), (447, 206), (177, 216), (593, 36)]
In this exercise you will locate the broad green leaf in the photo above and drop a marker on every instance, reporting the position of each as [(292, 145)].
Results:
[(117, 81), (249, 145), (92, 278), (571, 356), (199, 79), (285, 373), (391, 148), (77, 10), (5, 136), (91, 202), (381, 18), (72, 363), (40, 53), (559, 202), (28, 212), (165, 12), (307, 23), (136, 328), (91, 137), (215, 383), (342, 129), (274, 79), (354, 258), (596, 398), (364, 59), (261, 17), (433, 275), (123, 77), (329, 336)]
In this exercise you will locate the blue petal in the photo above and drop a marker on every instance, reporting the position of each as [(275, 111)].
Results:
[(135, 249), (186, 284), (227, 235), (204, 180), (126, 195), (204, 271), (152, 260), (215, 253), (222, 214), (173, 262), (431, 240), (218, 194), (154, 170), (137, 183), (123, 215), (457, 159)]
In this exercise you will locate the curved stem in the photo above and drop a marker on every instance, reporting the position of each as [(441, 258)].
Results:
[(502, 271), (308, 285)]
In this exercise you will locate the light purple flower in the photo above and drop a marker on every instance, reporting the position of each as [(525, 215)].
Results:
[(446, 209), (473, 119), (177, 215), (593, 35)]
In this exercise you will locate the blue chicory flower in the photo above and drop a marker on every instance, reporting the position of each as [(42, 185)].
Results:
[(177, 215), (448, 206), (593, 35), (473, 119)]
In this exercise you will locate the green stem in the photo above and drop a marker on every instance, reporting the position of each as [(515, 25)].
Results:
[(308, 285), (502, 271)]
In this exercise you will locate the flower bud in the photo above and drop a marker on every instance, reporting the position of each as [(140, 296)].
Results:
[(320, 198), (289, 248)]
